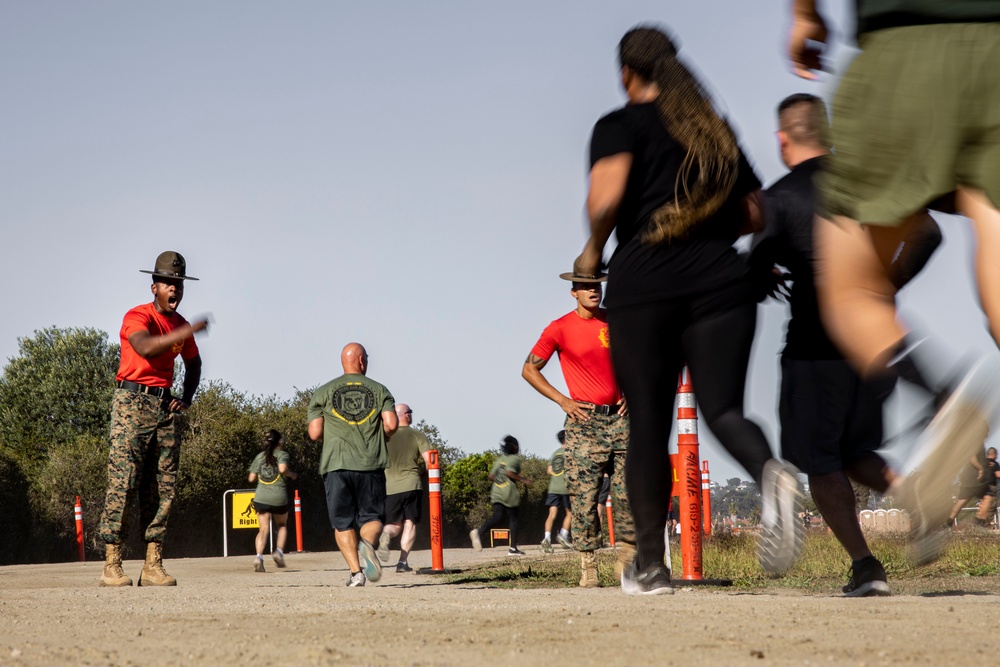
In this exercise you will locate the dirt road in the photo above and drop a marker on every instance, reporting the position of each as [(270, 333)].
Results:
[(222, 613)]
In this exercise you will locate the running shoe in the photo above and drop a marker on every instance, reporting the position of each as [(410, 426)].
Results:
[(258, 565), (957, 431), (356, 580), (370, 563), (477, 543), (782, 535), (564, 541), (279, 557), (383, 547), (651, 580), (403, 567), (867, 579), (514, 551), (547, 546)]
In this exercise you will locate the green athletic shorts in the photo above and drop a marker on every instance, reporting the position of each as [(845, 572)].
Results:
[(916, 114)]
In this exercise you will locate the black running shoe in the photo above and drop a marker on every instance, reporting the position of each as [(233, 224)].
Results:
[(867, 579), (403, 567), (651, 580), (514, 551)]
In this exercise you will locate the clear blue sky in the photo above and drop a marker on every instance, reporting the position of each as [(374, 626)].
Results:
[(407, 175)]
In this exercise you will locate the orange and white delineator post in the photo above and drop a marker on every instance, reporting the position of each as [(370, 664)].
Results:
[(689, 492), (611, 521), (298, 522), (706, 498), (434, 508), (78, 515)]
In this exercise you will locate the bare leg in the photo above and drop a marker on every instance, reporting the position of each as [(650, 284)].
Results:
[(956, 508), (872, 471), (551, 518), (567, 520), (407, 540), (985, 513), (834, 497), (856, 296), (347, 542), (371, 531), (264, 521), (282, 522), (986, 223), (392, 529)]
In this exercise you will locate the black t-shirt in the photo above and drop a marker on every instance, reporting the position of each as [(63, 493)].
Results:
[(787, 239), (702, 261)]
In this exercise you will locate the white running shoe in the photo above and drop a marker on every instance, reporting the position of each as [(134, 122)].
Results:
[(782, 535), (956, 433)]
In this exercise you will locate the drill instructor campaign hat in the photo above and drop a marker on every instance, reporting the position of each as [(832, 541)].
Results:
[(170, 264), (576, 278)]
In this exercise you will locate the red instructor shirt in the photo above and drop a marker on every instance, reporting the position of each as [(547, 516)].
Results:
[(159, 370), (585, 357)]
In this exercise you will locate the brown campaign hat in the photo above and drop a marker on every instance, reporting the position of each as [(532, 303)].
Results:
[(576, 278), (170, 264)]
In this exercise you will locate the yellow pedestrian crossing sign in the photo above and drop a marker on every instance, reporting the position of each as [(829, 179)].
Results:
[(244, 514)]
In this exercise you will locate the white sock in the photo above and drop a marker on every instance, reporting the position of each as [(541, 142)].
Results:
[(548, 536), (260, 556), (564, 533)]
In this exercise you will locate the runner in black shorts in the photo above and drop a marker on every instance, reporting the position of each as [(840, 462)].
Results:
[(831, 420)]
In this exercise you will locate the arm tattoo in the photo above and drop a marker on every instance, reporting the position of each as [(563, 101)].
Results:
[(536, 361)]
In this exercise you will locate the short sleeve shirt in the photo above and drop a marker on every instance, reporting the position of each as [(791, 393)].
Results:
[(704, 260), (504, 490), (271, 489), (557, 481), (584, 348), (353, 438), (159, 370), (406, 447)]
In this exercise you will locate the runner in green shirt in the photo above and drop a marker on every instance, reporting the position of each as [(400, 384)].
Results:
[(504, 495), (355, 417), (558, 496), (269, 469)]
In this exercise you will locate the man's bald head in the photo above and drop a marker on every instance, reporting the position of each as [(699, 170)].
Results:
[(404, 413), (354, 358)]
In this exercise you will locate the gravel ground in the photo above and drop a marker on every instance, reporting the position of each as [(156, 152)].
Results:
[(222, 613)]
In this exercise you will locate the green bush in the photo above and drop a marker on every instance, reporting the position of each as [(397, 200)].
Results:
[(15, 519), (78, 468)]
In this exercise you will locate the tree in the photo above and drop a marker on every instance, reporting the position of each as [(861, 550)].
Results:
[(447, 455), (58, 389)]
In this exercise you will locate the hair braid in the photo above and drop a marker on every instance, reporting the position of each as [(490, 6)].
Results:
[(271, 442), (709, 169)]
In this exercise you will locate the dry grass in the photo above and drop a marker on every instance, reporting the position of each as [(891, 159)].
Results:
[(824, 565)]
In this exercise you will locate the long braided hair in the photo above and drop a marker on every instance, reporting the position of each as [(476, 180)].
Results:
[(708, 171)]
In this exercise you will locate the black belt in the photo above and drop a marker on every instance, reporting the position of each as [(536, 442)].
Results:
[(606, 409), (128, 385)]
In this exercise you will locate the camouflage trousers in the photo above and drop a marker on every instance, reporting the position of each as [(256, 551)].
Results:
[(592, 448), (145, 452)]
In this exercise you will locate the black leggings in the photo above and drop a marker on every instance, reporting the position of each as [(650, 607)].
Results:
[(713, 334), (498, 512)]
